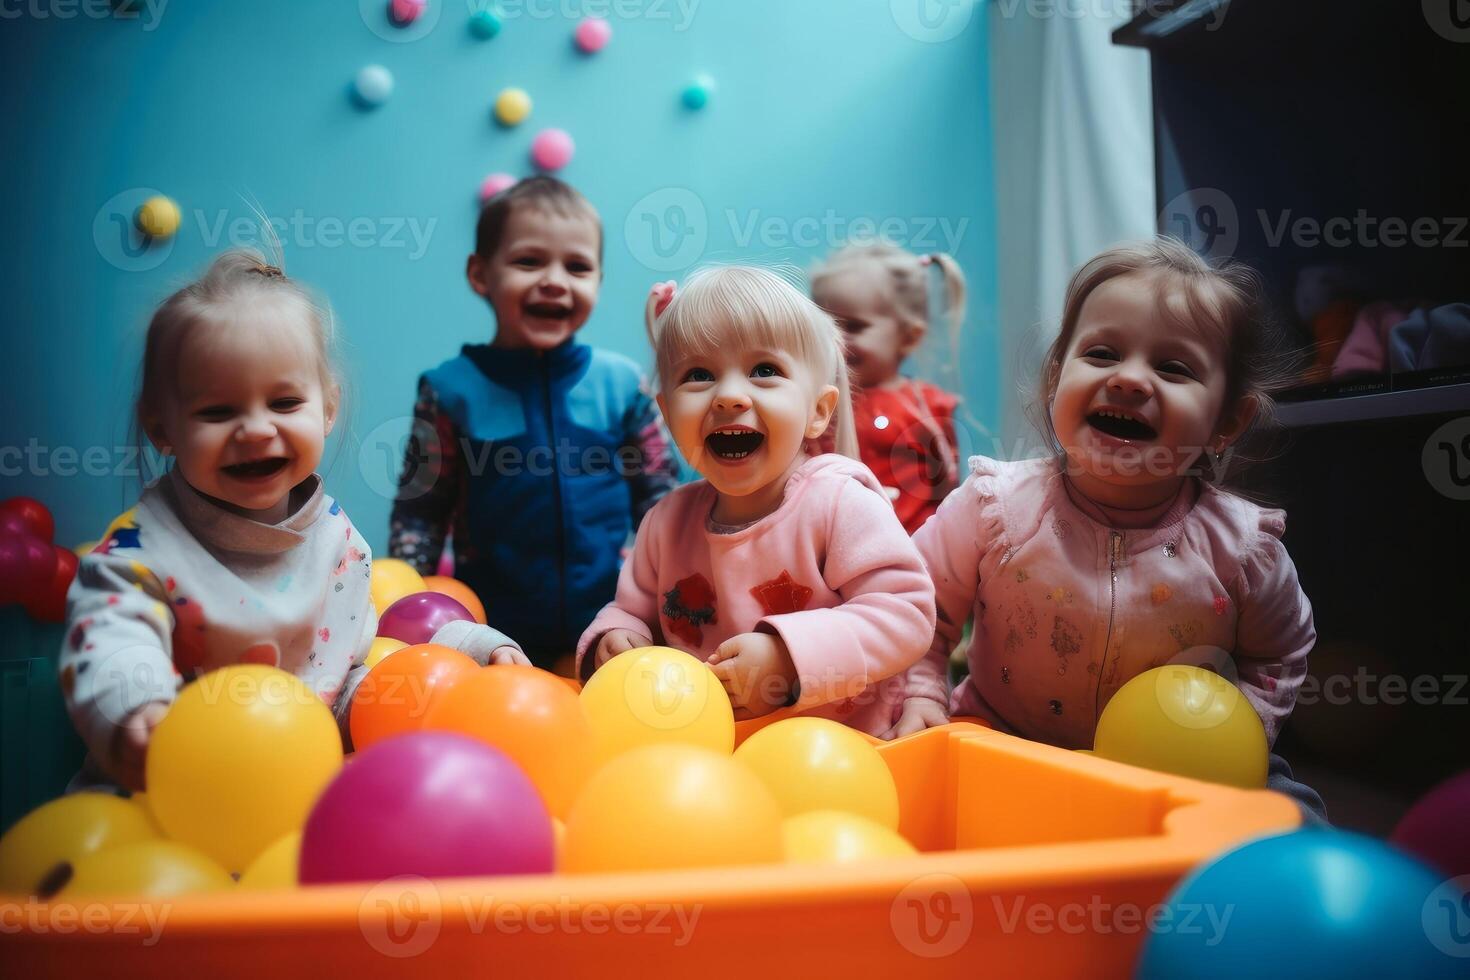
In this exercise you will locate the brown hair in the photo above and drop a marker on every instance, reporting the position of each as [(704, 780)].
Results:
[(239, 278), (907, 277), (540, 191), (1225, 297)]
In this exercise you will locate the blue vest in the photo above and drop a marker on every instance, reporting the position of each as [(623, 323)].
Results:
[(547, 506)]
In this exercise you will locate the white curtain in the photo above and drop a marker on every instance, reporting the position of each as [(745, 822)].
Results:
[(1074, 170)]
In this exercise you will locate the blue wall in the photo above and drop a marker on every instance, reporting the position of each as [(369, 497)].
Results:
[(826, 112)]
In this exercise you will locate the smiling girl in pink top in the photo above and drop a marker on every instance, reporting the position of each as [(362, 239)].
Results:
[(1114, 556), (788, 573)]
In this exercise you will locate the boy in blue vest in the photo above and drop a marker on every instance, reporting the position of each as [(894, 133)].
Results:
[(538, 454)]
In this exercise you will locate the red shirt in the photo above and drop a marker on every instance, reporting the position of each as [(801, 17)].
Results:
[(906, 437)]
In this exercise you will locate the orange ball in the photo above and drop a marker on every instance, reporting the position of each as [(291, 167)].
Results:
[(398, 694), (458, 591), (531, 716)]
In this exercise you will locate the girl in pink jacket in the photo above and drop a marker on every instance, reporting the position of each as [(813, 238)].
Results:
[(789, 574), (1119, 554)]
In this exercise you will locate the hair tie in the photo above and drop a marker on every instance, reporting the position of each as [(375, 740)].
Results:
[(269, 271), (926, 260)]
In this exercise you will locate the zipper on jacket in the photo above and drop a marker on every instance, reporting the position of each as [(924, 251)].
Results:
[(1115, 552), (561, 518)]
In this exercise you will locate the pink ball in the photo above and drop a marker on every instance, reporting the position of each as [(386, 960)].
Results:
[(435, 804), (416, 618), (552, 149), (1435, 829), (492, 185), (593, 34), (406, 11)]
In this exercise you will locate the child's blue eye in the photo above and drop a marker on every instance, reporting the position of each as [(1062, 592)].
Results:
[(765, 369), (697, 375)]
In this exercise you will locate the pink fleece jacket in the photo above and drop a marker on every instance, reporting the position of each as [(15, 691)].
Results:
[(1067, 610), (831, 572)]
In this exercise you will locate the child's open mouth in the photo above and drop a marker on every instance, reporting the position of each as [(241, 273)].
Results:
[(548, 311), (259, 469), (734, 442), (1121, 425)]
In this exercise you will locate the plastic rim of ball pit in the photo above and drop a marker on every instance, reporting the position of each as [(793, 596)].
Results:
[(1027, 847)]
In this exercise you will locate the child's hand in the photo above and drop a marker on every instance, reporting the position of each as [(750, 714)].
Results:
[(757, 672), (509, 655), (614, 642), (918, 714), (130, 744)]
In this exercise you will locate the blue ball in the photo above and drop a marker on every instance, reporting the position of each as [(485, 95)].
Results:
[(484, 24), (1316, 903), (697, 93), (373, 86)]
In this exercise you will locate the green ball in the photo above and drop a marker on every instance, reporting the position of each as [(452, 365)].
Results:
[(484, 24)]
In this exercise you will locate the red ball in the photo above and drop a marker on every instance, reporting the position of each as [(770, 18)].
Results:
[(27, 567), (37, 518), (1435, 829), (50, 605)]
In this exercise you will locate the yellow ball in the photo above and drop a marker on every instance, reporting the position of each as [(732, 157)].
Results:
[(276, 867), (839, 837), (158, 217), (816, 764), (1188, 721), (393, 579), (382, 646), (239, 760), (671, 806), (512, 106), (67, 829), (151, 869), (558, 840), (655, 695), (140, 800)]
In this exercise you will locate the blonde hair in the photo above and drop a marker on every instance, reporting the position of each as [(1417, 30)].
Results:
[(745, 306), (1225, 298), (906, 278), (237, 280)]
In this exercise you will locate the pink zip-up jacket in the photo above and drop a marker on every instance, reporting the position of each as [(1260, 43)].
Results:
[(1066, 610), (831, 572)]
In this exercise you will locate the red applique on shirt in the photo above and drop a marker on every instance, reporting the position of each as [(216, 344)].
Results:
[(688, 606), (782, 594)]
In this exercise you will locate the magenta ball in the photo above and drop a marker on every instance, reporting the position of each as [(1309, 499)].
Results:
[(1437, 828), (552, 149), (27, 567), (492, 185), (593, 34), (416, 618), (406, 11), (435, 804)]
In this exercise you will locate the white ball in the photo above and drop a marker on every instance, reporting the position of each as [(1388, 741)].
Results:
[(374, 85)]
